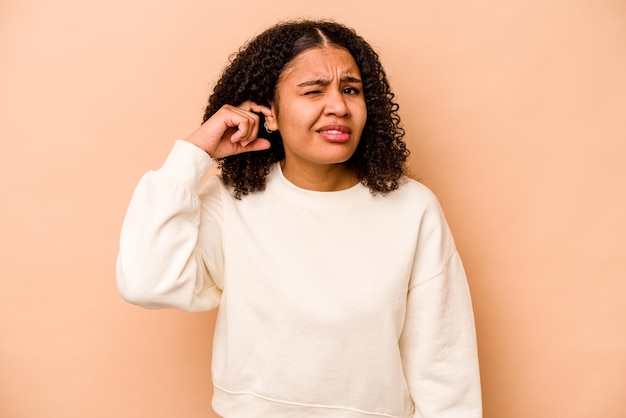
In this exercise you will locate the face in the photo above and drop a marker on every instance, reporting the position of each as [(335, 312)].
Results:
[(320, 108)]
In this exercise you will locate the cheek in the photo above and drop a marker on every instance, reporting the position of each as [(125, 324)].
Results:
[(362, 114), (299, 119)]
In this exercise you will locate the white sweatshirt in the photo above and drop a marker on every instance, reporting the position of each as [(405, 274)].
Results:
[(331, 304)]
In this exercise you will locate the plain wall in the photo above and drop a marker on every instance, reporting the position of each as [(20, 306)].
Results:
[(515, 114)]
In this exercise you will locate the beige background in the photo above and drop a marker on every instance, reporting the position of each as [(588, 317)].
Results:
[(515, 112)]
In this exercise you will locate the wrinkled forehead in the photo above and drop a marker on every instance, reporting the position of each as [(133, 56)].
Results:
[(321, 63)]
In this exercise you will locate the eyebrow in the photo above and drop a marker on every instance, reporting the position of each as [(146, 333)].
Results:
[(324, 82)]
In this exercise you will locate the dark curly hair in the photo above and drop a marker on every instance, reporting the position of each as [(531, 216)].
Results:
[(379, 160)]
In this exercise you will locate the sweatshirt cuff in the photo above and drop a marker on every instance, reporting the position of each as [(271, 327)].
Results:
[(187, 163)]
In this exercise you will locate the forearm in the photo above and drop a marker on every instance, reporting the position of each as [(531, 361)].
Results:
[(159, 263), (439, 347)]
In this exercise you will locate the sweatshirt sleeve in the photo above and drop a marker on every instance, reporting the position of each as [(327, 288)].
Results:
[(170, 253), (438, 342)]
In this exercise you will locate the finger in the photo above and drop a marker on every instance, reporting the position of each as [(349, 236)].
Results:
[(244, 123), (258, 144), (251, 106)]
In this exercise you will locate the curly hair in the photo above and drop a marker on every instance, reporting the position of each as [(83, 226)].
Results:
[(379, 160)]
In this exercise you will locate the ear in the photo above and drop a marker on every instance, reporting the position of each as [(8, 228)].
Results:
[(272, 121)]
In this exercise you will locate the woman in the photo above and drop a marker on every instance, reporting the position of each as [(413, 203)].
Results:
[(340, 291)]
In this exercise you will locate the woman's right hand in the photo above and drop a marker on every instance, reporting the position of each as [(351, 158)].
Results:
[(232, 130)]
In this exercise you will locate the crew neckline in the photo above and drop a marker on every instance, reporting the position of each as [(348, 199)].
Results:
[(331, 200)]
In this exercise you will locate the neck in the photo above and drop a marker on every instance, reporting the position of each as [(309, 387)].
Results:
[(320, 178)]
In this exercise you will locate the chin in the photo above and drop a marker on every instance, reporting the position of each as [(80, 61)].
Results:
[(337, 159)]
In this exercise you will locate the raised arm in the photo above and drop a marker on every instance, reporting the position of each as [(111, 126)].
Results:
[(160, 262), (171, 241)]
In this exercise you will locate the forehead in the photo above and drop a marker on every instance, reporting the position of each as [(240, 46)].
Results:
[(322, 63)]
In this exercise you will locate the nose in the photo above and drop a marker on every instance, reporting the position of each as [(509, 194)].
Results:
[(336, 104)]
